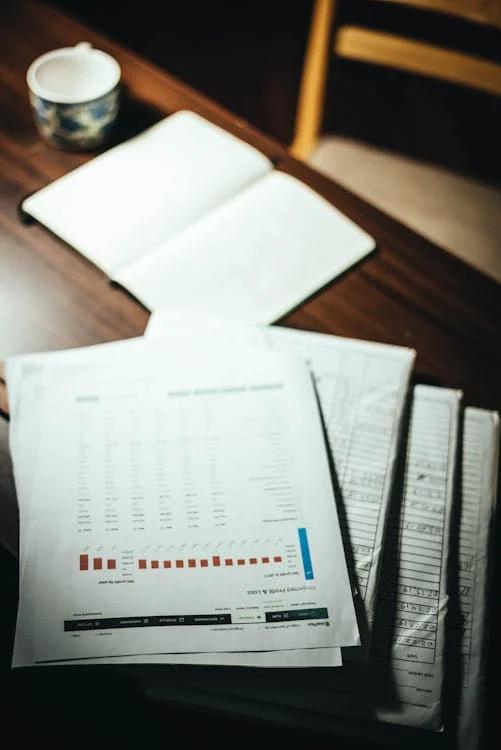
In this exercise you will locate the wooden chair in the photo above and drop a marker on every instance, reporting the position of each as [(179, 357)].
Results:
[(462, 215)]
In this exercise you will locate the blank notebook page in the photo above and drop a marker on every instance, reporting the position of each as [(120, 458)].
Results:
[(253, 258), (135, 196)]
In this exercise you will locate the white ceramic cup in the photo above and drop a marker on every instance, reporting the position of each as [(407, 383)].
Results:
[(74, 92)]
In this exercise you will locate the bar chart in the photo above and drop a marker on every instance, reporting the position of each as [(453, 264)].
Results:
[(268, 556), (212, 561)]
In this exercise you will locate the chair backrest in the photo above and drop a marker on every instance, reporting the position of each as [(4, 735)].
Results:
[(390, 50), (482, 11)]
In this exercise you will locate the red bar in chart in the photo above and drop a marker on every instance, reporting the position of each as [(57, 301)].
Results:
[(84, 562), (216, 561), (98, 563), (111, 564)]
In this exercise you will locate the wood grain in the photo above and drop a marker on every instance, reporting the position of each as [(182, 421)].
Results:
[(311, 97), (487, 12), (393, 51)]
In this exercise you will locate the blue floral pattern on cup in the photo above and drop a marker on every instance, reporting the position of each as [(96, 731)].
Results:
[(85, 125)]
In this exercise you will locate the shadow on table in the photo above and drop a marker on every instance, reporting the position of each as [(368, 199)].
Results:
[(134, 117)]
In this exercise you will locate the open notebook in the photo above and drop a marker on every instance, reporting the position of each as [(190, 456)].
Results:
[(188, 217)]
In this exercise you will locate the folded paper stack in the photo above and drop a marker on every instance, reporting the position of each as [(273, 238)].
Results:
[(226, 494)]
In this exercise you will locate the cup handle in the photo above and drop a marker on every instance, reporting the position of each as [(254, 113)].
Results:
[(82, 47)]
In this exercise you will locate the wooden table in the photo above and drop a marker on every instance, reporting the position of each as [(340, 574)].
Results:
[(409, 292)]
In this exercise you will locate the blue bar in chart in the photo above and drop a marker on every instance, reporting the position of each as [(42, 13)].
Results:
[(305, 554)]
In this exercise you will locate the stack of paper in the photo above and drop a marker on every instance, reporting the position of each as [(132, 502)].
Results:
[(426, 615), (229, 494), (169, 507)]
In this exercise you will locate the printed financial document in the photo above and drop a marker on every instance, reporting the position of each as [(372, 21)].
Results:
[(409, 642), (478, 499), (362, 389), (376, 376), (26, 378), (269, 587)]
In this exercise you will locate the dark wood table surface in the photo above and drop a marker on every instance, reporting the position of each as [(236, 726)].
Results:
[(409, 292)]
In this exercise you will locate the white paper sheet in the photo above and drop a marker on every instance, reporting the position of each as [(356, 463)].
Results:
[(479, 491), (408, 648), (121, 205), (24, 440), (254, 258), (362, 388), (47, 641)]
